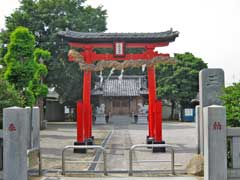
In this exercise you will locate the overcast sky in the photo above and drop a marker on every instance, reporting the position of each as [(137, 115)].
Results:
[(210, 29)]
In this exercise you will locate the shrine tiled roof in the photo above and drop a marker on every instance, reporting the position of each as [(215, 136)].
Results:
[(128, 86), (100, 37)]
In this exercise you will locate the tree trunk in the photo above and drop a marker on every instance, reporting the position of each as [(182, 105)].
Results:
[(172, 109), (1, 120), (40, 104)]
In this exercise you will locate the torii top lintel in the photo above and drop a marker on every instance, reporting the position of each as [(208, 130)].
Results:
[(91, 40)]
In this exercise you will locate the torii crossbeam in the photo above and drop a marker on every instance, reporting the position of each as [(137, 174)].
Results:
[(119, 42)]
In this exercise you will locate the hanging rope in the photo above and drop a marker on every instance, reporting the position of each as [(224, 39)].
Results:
[(102, 64)]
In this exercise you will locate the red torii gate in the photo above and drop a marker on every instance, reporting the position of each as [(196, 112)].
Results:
[(119, 42)]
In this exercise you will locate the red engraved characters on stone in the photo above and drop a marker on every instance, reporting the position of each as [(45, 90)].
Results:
[(217, 125), (12, 127)]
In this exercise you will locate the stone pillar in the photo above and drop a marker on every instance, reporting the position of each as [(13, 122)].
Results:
[(29, 128), (197, 122), (1, 150), (15, 143), (35, 127), (215, 143), (211, 84)]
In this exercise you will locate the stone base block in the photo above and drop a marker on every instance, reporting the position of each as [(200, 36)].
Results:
[(44, 125), (142, 119), (100, 119), (149, 140), (159, 149), (83, 151), (90, 141)]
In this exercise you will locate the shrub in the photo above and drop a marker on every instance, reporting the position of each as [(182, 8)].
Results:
[(231, 98)]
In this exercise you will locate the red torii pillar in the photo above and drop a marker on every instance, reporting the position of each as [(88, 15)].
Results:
[(84, 110), (151, 101), (154, 108), (87, 108)]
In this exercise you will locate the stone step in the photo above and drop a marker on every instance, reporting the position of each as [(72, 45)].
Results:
[(116, 177)]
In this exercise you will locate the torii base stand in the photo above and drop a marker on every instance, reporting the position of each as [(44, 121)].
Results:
[(75, 150), (83, 130), (150, 140), (89, 141), (159, 149), (156, 137)]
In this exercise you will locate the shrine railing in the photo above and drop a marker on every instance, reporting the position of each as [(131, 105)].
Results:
[(104, 162), (132, 149), (233, 135)]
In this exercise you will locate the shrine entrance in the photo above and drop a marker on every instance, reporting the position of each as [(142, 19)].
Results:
[(120, 106), (89, 59)]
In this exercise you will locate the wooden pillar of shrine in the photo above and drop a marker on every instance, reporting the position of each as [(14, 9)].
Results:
[(151, 101), (84, 108), (87, 108)]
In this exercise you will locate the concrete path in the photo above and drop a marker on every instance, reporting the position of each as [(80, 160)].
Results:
[(119, 143), (180, 135)]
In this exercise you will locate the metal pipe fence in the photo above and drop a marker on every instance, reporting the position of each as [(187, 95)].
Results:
[(86, 147), (130, 172)]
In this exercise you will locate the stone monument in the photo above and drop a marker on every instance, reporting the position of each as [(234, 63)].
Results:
[(211, 84), (100, 115), (142, 114)]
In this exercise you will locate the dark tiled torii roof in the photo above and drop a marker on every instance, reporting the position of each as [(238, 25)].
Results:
[(100, 37)]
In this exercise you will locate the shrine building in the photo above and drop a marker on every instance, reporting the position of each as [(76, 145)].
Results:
[(121, 97)]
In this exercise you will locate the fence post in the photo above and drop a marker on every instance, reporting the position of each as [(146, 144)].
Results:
[(197, 122), (1, 150), (105, 162), (130, 162), (215, 143)]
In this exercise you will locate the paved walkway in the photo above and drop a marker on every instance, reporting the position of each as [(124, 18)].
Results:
[(180, 135)]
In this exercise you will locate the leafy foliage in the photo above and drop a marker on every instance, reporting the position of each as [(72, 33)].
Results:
[(231, 100), (23, 68), (178, 82), (8, 95), (45, 18)]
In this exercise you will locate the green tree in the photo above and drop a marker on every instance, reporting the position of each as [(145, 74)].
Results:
[(231, 98), (178, 83), (8, 96), (23, 69), (45, 18)]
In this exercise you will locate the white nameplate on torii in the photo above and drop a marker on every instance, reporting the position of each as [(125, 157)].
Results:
[(119, 49)]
